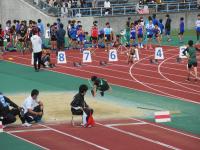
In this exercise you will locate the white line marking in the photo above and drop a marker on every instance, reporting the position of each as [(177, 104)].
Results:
[(120, 77), (125, 124), (168, 129), (76, 138), (159, 66), (141, 137), (183, 99), (28, 130), (23, 139), (164, 93)]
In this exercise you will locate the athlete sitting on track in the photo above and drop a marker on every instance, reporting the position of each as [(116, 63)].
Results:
[(192, 59), (99, 84), (46, 60), (79, 106)]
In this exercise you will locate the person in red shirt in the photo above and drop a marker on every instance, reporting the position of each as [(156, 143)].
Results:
[(94, 34)]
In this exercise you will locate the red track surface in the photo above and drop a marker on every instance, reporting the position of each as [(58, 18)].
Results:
[(116, 134), (167, 78)]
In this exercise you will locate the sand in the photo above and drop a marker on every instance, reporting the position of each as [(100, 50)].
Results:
[(57, 107)]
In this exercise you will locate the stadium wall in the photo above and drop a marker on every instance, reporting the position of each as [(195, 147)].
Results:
[(18, 9)]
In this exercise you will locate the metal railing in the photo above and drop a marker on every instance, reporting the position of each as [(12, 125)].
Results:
[(115, 10)]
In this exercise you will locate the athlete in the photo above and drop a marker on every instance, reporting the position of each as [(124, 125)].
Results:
[(192, 59), (99, 84)]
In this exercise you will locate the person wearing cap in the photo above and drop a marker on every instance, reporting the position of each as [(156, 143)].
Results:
[(9, 115), (99, 84), (33, 108)]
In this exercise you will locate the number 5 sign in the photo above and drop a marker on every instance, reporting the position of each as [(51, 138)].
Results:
[(113, 55), (87, 56), (159, 53), (61, 58)]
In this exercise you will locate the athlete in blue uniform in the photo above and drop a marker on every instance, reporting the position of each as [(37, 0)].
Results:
[(133, 34), (140, 30), (150, 32), (182, 29)]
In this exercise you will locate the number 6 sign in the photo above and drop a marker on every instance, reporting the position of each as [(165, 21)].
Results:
[(113, 55), (61, 58), (159, 53)]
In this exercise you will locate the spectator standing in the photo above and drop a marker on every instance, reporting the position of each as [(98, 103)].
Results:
[(60, 36), (168, 27), (37, 49), (107, 6)]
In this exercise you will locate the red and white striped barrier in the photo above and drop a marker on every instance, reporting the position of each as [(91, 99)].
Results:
[(1, 127), (162, 116)]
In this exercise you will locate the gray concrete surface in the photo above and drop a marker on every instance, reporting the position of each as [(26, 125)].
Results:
[(18, 9)]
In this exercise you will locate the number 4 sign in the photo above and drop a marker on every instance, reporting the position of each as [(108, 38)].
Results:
[(181, 55), (159, 53), (87, 56), (61, 58), (113, 55)]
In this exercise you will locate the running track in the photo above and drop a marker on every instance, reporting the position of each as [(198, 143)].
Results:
[(114, 134), (168, 78)]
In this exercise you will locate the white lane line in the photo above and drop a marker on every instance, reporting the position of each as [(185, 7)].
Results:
[(125, 124), (141, 137), (150, 84), (74, 137), (159, 66), (159, 91), (23, 139), (168, 129), (28, 130), (154, 93)]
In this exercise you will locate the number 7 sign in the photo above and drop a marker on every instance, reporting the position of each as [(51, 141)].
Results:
[(87, 56)]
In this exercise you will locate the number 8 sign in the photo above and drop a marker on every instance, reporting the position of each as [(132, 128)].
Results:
[(113, 55), (61, 58), (159, 53)]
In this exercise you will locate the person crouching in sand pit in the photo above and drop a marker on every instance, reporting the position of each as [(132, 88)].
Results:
[(192, 59), (99, 84), (33, 109), (80, 107)]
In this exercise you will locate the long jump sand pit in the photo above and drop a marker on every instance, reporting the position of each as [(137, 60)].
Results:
[(57, 106)]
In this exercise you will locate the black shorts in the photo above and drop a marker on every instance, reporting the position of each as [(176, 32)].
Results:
[(181, 33), (95, 38), (140, 35), (190, 65), (108, 38), (104, 88), (150, 36)]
